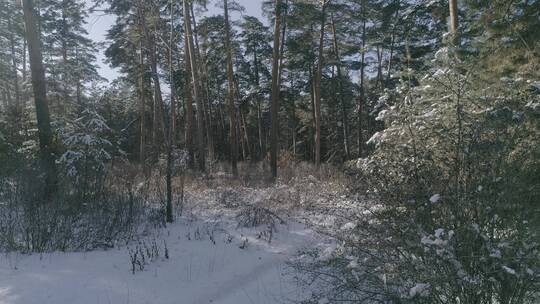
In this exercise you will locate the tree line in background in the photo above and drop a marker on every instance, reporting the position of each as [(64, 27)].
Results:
[(218, 88), (331, 62), (222, 89), (230, 95)]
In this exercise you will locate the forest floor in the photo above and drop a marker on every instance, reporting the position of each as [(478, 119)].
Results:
[(211, 254)]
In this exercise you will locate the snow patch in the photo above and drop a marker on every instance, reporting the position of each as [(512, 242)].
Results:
[(509, 270), (419, 290)]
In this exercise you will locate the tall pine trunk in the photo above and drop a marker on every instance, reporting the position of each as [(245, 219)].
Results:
[(362, 89), (392, 46), (40, 97), (141, 92), (282, 41), (196, 88), (312, 103), (158, 129), (344, 118), (189, 106), (65, 63), (18, 105), (275, 91), (172, 122), (230, 95), (454, 23), (318, 83), (207, 113)]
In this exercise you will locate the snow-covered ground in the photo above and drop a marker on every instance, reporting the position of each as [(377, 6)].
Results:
[(197, 270), (206, 263)]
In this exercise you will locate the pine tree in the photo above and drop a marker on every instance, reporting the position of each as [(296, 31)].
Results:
[(275, 90), (233, 144), (40, 97)]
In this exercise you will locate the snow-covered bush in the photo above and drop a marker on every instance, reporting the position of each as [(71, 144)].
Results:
[(145, 252), (455, 176), (88, 151), (253, 216), (30, 223)]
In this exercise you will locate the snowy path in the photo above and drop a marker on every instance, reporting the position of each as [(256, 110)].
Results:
[(197, 272)]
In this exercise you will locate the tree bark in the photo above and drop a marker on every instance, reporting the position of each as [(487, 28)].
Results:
[(196, 88), (454, 23), (4, 100), (275, 91), (78, 86), (312, 101), (380, 50), (207, 113), (172, 123), (40, 97), (318, 80), (158, 129), (18, 106), (245, 133), (362, 90), (344, 118), (231, 96), (65, 74), (282, 41), (392, 45), (260, 131), (141, 93), (189, 106), (24, 60)]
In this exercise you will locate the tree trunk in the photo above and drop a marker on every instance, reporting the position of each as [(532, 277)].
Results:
[(78, 86), (344, 118), (282, 42), (245, 133), (380, 85), (142, 108), (141, 91), (231, 96), (454, 23), (318, 80), (312, 101), (238, 128), (4, 100), (65, 76), (196, 88), (24, 59), (262, 148), (189, 106), (392, 44), (158, 129), (40, 97), (294, 124), (362, 90), (172, 122), (201, 58), (15, 69), (275, 91)]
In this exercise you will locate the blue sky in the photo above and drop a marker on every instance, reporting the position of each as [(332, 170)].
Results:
[(98, 24)]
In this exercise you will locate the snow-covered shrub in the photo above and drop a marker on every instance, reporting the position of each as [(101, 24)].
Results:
[(145, 252), (253, 216), (455, 179), (30, 223), (230, 198), (88, 151)]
